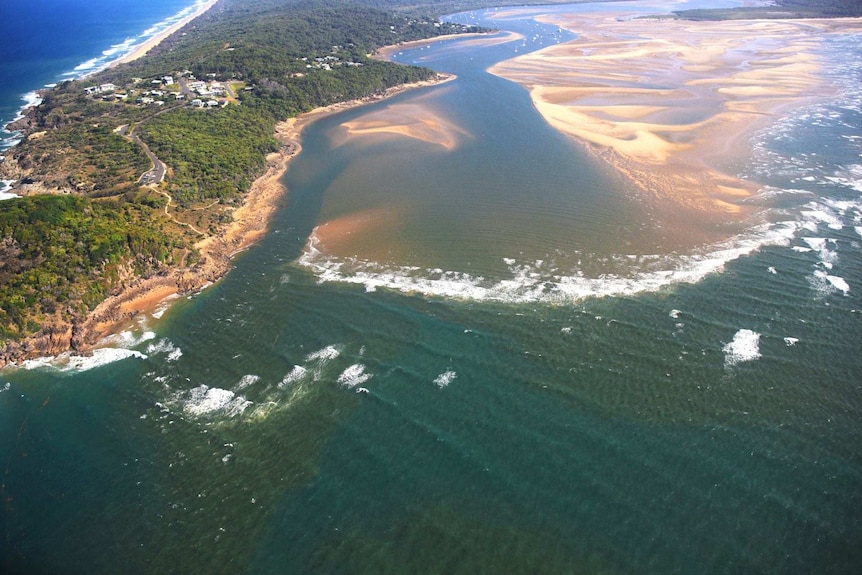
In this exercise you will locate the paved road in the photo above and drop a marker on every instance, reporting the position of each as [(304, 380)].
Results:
[(154, 175)]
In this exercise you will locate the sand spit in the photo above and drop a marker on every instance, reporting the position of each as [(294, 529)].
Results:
[(671, 104), (472, 39)]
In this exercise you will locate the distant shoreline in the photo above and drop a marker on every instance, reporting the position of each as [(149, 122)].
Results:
[(151, 43)]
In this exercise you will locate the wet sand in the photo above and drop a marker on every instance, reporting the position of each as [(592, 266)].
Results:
[(411, 120), (671, 104)]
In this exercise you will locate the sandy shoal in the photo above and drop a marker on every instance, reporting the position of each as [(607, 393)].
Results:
[(413, 119), (158, 38), (671, 103)]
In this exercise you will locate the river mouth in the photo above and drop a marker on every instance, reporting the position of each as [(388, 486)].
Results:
[(555, 168)]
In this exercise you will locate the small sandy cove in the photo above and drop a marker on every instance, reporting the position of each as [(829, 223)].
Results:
[(672, 104)]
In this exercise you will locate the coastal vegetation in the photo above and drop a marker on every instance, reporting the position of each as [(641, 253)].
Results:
[(61, 255)]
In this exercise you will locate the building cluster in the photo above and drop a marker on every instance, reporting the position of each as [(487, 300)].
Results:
[(100, 89), (327, 62), (202, 94)]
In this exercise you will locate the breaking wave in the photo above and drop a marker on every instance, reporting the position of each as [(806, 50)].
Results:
[(541, 281)]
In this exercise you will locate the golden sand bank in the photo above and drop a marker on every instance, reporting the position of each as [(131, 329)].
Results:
[(671, 104), (414, 119)]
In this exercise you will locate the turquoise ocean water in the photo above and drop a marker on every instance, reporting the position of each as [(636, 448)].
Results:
[(533, 379)]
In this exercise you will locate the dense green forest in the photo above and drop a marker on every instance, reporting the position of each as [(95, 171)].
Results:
[(211, 154), (60, 255), (781, 9)]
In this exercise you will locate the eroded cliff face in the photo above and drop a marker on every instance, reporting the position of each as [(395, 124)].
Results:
[(22, 124), (133, 297), (51, 340)]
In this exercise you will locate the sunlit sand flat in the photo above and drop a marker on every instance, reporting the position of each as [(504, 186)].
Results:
[(411, 120), (671, 103)]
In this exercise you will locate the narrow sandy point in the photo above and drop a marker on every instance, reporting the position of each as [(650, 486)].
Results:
[(472, 39)]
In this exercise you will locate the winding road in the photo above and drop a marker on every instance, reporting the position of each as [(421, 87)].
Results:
[(155, 175)]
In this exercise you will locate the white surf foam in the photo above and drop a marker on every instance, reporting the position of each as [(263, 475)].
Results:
[(204, 400), (166, 347), (294, 375), (246, 381), (324, 355), (164, 306), (354, 376), (538, 281), (70, 362), (744, 347), (445, 378), (825, 283), (29, 99), (5, 186)]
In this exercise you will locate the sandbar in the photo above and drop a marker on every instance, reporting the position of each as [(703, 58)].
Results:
[(671, 104), (413, 120)]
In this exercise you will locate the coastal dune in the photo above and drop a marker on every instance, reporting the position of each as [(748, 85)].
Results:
[(671, 103)]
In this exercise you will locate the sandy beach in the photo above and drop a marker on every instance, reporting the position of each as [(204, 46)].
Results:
[(473, 38), (144, 48), (671, 104)]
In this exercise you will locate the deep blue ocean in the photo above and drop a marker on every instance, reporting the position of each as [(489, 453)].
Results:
[(519, 379), (47, 41)]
